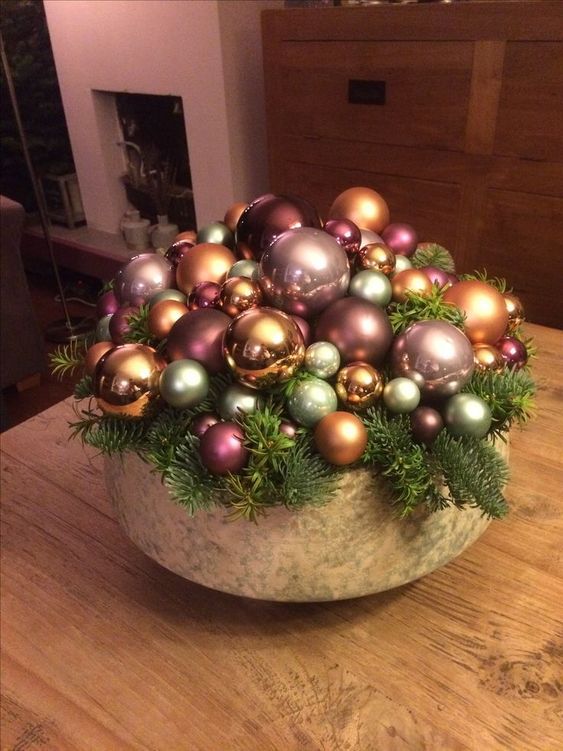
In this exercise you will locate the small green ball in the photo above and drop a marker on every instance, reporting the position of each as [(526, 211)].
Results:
[(311, 400), (102, 329), (218, 233), (237, 399), (184, 383), (401, 395), (246, 268), (371, 285), (167, 294), (401, 263), (467, 415), (322, 359)]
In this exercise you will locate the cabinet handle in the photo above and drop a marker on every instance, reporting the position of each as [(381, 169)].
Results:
[(366, 92)]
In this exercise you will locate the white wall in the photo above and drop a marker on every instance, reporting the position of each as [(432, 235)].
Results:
[(206, 51)]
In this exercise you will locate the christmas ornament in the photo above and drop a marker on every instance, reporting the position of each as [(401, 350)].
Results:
[(233, 214), (107, 304), (467, 415), (401, 395), (377, 257), (126, 379), (304, 328), (359, 385), (401, 238), (119, 325), (322, 359), (437, 276), (142, 277), (303, 271), (263, 346), (288, 428), (239, 294), (168, 294), (204, 295), (484, 307), (402, 263), (250, 269), (436, 355), (222, 450), (199, 336), (372, 286), (184, 383), (93, 355), (410, 280), (346, 234), (201, 422), (513, 352), (340, 438), (426, 423), (487, 357), (177, 251), (267, 218), (363, 206), (360, 330), (311, 400), (102, 329), (218, 233), (237, 400), (163, 316), (188, 235), (369, 238), (207, 262), (515, 311)]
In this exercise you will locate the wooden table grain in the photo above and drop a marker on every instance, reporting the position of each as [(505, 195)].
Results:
[(102, 649)]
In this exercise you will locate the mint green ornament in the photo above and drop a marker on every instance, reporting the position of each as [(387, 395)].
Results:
[(247, 268), (183, 384), (217, 233), (311, 400), (371, 285), (237, 399), (167, 294), (467, 415), (401, 395), (401, 263), (102, 329), (322, 359)]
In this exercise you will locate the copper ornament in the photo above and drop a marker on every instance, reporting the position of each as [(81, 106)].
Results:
[(515, 311), (164, 315), (340, 438), (206, 262), (486, 314), (93, 355), (233, 214), (378, 257), (487, 357), (363, 206), (239, 293), (359, 385), (410, 280)]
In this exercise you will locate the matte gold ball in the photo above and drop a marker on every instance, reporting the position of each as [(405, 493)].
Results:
[(126, 379), (363, 206), (94, 354), (164, 315), (239, 293), (376, 256), (263, 346), (515, 311), (410, 280), (487, 357), (485, 309), (340, 438), (233, 215), (206, 262), (359, 385)]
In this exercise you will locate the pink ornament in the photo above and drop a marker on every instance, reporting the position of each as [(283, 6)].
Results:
[(119, 323), (202, 422), (141, 278), (222, 449), (346, 234), (401, 238), (513, 352), (304, 328), (107, 304), (204, 295), (199, 336), (177, 251), (437, 276)]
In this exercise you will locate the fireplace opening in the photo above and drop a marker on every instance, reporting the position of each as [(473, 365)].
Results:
[(158, 180)]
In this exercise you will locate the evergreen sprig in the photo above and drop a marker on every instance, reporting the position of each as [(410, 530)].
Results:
[(423, 307), (482, 276), (305, 479), (108, 433), (432, 254), (84, 389), (139, 332), (189, 483), (66, 359)]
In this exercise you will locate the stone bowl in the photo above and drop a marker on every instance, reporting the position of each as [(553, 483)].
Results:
[(355, 545)]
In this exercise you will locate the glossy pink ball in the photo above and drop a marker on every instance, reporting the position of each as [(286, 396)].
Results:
[(512, 351), (222, 449), (401, 238)]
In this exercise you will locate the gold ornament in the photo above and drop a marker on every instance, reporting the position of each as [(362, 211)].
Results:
[(410, 280), (515, 311), (263, 346), (363, 206), (359, 385), (127, 378), (164, 315), (487, 357), (484, 307), (233, 215), (190, 235), (340, 438), (206, 262), (239, 293), (378, 257), (93, 355)]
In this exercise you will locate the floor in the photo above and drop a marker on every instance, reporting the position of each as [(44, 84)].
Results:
[(21, 405)]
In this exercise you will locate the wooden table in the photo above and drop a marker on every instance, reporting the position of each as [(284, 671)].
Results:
[(105, 650)]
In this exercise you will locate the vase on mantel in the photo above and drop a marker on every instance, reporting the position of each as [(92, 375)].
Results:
[(163, 233)]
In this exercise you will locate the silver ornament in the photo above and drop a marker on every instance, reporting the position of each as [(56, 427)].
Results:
[(467, 415), (311, 400), (167, 294), (183, 384), (237, 399), (401, 264), (102, 329), (371, 285), (142, 277), (401, 395), (322, 359)]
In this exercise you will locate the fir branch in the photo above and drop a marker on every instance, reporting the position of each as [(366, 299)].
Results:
[(139, 328), (84, 388), (165, 434), (305, 479), (189, 483), (432, 254), (481, 276), (423, 307), (66, 359), (107, 287), (108, 433)]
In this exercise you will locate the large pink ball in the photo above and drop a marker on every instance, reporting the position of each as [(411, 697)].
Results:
[(199, 336), (401, 238), (143, 277), (303, 271), (222, 449), (357, 328)]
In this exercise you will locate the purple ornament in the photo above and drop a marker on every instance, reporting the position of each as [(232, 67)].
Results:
[(513, 352), (288, 428), (199, 336), (204, 295), (453, 279), (346, 234), (119, 323), (401, 238), (357, 328), (177, 251), (304, 328), (222, 449), (202, 422), (267, 218), (143, 277), (107, 304), (426, 423), (436, 355), (303, 271), (437, 276)]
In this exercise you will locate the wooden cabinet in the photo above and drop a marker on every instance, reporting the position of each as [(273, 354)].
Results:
[(454, 112)]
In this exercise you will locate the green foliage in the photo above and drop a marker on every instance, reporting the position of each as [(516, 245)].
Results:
[(418, 307), (189, 483), (107, 433), (481, 276), (305, 478), (66, 359), (84, 388), (432, 254), (139, 328)]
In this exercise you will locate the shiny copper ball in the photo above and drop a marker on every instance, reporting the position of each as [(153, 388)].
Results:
[(487, 357), (233, 214), (206, 262), (515, 311), (363, 206), (340, 438), (378, 257), (93, 355), (359, 385), (410, 280), (164, 315), (239, 293)]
